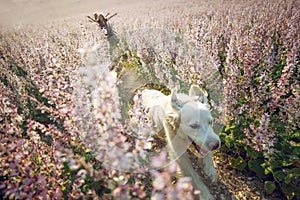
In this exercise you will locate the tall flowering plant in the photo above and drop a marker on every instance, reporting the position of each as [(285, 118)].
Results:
[(258, 48), (43, 155)]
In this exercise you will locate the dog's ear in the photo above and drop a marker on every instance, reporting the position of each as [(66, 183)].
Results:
[(173, 118), (198, 93), (175, 103)]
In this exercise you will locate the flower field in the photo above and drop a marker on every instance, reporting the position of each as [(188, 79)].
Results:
[(72, 124)]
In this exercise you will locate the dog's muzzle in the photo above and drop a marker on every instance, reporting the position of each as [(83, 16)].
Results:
[(213, 145), (210, 146), (201, 151)]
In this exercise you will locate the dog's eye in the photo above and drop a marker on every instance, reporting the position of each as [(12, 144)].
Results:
[(210, 123), (194, 126)]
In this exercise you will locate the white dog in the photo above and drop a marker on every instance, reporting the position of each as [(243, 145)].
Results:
[(186, 119)]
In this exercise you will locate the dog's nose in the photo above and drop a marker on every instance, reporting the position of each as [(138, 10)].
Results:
[(216, 146), (213, 145)]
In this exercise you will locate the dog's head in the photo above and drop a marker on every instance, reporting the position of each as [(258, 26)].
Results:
[(194, 119)]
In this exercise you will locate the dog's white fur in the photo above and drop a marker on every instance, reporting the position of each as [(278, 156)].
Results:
[(185, 118)]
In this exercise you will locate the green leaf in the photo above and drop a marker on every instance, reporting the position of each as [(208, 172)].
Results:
[(296, 151), (251, 153), (107, 190), (295, 137), (268, 170), (85, 188), (229, 141), (290, 190), (228, 128), (295, 172), (131, 180), (238, 132), (279, 175), (269, 187), (255, 166), (287, 163), (237, 163), (222, 136), (276, 164)]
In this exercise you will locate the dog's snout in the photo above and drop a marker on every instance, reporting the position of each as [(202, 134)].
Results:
[(213, 145)]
